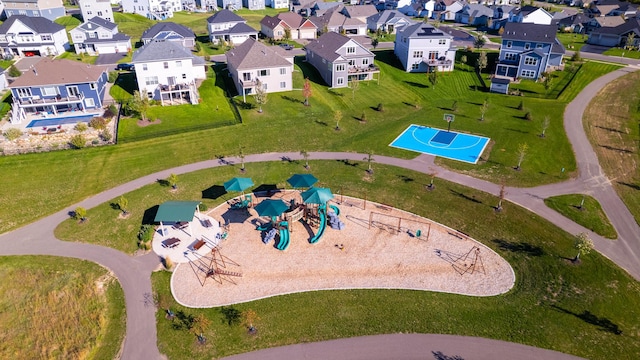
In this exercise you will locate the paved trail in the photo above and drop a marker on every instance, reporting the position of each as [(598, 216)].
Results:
[(134, 272)]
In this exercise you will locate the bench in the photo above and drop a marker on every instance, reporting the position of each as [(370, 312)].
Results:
[(171, 243), (198, 244)]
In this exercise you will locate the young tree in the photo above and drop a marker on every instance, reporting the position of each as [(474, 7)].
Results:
[(432, 174), (545, 125), (502, 194), (123, 204), (375, 42), (200, 324), (305, 156), (80, 213), (454, 106), (287, 35), (522, 151), (521, 105), (13, 71), (173, 180), (249, 318), (483, 109), (482, 61), (241, 156), (583, 244), (463, 59), (479, 41), (629, 43), (306, 91), (433, 77), (354, 85), (576, 56), (140, 104), (261, 95), (337, 116), (369, 160)]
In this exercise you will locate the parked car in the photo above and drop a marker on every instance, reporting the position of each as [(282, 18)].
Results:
[(286, 46), (127, 67)]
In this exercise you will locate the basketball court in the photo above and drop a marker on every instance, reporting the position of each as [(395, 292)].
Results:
[(444, 143)]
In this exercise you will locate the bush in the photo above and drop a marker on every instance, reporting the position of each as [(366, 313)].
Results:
[(95, 142), (528, 116), (113, 76), (98, 123), (80, 213), (13, 71), (78, 141), (380, 108), (146, 233), (106, 135), (203, 207), (12, 134), (82, 127), (363, 117), (576, 56), (110, 112), (521, 105)]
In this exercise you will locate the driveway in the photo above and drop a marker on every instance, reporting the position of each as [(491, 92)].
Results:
[(109, 59), (25, 63)]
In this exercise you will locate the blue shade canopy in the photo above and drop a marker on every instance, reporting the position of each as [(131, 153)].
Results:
[(238, 184), (302, 180), (271, 207), (317, 195), (176, 211)]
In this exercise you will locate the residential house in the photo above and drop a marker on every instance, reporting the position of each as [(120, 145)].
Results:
[(254, 4), (230, 4), (152, 9), (616, 36), (604, 22), (474, 14), (529, 50), (22, 35), (278, 4), (226, 26), (360, 12), (501, 14), (169, 31), (52, 87), (417, 8), (99, 8), (167, 71), (423, 48), (532, 15), (575, 23), (252, 61), (388, 21), (300, 28), (319, 8), (208, 5), (612, 8), (340, 59), (3, 79), (335, 21), (445, 10), (49, 9), (99, 36)]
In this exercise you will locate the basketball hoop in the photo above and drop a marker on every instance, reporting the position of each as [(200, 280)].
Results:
[(449, 119)]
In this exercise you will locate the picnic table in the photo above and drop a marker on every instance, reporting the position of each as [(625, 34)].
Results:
[(171, 243), (180, 225), (207, 223)]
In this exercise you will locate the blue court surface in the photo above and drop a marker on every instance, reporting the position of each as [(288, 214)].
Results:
[(60, 121), (443, 143)]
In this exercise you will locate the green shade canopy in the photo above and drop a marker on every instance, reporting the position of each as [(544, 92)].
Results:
[(176, 211), (238, 184), (317, 195), (271, 207), (302, 180)]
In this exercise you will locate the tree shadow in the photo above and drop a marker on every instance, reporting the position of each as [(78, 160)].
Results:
[(603, 324), (415, 84), (405, 178), (335, 93), (439, 355), (213, 192), (185, 321), (609, 147), (633, 186), (323, 123), (348, 162), (244, 105), (519, 247), (293, 100), (466, 197), (163, 182), (609, 129), (517, 130), (149, 216), (231, 316)]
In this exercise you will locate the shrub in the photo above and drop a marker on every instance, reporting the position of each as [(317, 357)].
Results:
[(12, 134), (78, 141), (14, 72), (168, 263), (207, 58), (380, 107), (576, 56), (106, 135), (363, 117), (110, 112), (203, 207), (521, 105), (145, 233), (80, 213), (98, 123), (528, 116), (95, 142), (113, 75), (82, 127)]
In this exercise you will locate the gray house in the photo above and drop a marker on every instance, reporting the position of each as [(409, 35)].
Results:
[(616, 36), (340, 59), (230, 4), (169, 31), (387, 20), (254, 4)]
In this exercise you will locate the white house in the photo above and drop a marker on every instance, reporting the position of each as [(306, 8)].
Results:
[(99, 8), (387, 20), (423, 48), (278, 4), (228, 27), (152, 9), (99, 36), (167, 72), (50, 9), (21, 35), (170, 32), (532, 15)]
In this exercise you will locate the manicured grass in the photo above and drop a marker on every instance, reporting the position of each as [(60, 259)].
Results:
[(132, 24), (572, 41), (553, 300), (59, 308), (611, 123), (633, 54), (589, 215), (254, 17), (71, 55), (589, 71), (124, 86)]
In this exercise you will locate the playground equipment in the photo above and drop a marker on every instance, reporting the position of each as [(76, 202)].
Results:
[(464, 263), (216, 268), (322, 225), (397, 227), (283, 243)]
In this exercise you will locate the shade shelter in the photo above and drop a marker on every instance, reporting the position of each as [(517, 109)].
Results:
[(271, 207), (317, 195), (302, 180), (177, 212), (238, 184)]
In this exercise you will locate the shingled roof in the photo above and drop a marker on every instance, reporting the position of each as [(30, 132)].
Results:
[(58, 72), (181, 30), (529, 32), (224, 16), (253, 54), (327, 45), (40, 25), (164, 50)]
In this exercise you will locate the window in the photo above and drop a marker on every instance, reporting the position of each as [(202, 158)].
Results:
[(509, 44), (144, 66), (73, 91), (352, 62), (365, 61), (184, 76), (92, 86), (340, 81), (417, 54), (351, 50), (165, 64), (150, 95), (45, 37), (340, 67), (179, 63), (539, 46), (530, 61), (264, 86), (510, 56), (415, 66), (264, 72), (283, 71), (283, 85), (527, 46), (442, 42), (49, 91), (24, 92), (528, 74), (433, 55), (89, 102), (151, 80)]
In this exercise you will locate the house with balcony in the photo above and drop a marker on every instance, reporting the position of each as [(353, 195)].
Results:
[(252, 61), (528, 51), (92, 8), (226, 26), (168, 72), (340, 59), (445, 10), (474, 14), (300, 28), (232, 5), (170, 32), (278, 4), (22, 35), (335, 21), (152, 9), (388, 21), (53, 88), (254, 4), (99, 36), (423, 48), (49, 9)]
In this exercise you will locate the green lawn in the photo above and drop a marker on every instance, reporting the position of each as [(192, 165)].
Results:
[(553, 299), (83, 57), (588, 214), (132, 24), (59, 308), (572, 41), (633, 54)]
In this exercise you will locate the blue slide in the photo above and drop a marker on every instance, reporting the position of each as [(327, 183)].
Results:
[(284, 237), (335, 209), (322, 212)]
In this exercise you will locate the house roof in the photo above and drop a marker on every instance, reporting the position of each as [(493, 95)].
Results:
[(574, 20), (98, 21), (164, 50), (327, 45), (527, 9), (386, 16), (224, 16), (422, 30), (605, 9), (630, 25), (58, 72), (241, 28), (39, 25), (115, 38), (609, 21), (557, 47), (329, 19), (292, 19), (270, 21), (253, 54), (161, 27), (529, 32), (176, 211), (360, 10), (478, 10)]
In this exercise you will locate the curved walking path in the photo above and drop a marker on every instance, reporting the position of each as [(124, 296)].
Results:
[(134, 272)]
